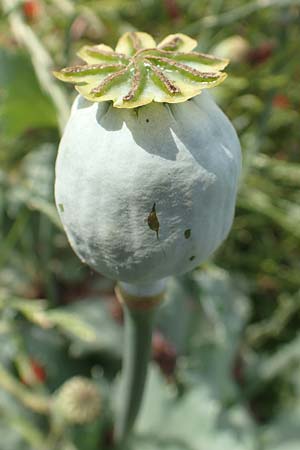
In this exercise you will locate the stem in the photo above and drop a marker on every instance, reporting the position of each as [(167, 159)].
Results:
[(41, 59), (139, 320), (35, 402), (235, 14)]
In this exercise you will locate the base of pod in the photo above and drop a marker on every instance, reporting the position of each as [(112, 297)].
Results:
[(140, 298)]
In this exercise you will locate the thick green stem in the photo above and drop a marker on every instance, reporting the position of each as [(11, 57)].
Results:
[(137, 348)]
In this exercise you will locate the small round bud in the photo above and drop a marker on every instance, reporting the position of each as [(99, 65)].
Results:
[(78, 400), (236, 48)]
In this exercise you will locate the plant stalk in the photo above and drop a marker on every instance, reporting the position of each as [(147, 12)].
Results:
[(41, 59), (38, 403), (139, 322)]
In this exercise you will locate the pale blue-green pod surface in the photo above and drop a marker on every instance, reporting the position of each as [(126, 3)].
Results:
[(149, 192)]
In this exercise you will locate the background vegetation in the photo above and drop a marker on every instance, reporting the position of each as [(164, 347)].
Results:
[(226, 353)]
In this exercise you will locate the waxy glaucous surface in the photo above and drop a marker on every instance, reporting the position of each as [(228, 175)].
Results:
[(148, 191)]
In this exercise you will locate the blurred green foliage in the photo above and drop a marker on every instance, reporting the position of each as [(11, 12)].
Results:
[(226, 353)]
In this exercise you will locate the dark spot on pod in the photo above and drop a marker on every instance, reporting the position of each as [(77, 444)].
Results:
[(147, 120), (61, 207), (187, 233), (192, 258), (153, 222), (136, 110)]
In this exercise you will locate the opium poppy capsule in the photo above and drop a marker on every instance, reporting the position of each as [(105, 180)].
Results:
[(148, 167)]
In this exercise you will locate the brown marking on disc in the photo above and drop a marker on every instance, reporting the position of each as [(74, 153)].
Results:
[(172, 43), (108, 80), (135, 41), (166, 82), (185, 67), (153, 220), (191, 54), (135, 84), (97, 51), (90, 67)]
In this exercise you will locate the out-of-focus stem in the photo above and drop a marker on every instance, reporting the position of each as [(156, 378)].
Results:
[(40, 58), (35, 402), (139, 319)]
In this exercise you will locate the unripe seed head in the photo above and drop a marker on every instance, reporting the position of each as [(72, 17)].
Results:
[(144, 193), (78, 400)]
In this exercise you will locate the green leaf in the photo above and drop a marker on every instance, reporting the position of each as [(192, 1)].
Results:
[(283, 433), (285, 213), (10, 439), (72, 325), (34, 184), (175, 314), (285, 357), (50, 349), (196, 421), (223, 310), (18, 429), (23, 105), (94, 314)]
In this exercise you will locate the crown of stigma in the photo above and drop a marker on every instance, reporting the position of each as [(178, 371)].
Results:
[(139, 71)]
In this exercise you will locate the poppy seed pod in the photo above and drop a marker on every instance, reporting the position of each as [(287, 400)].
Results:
[(146, 186), (78, 400)]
